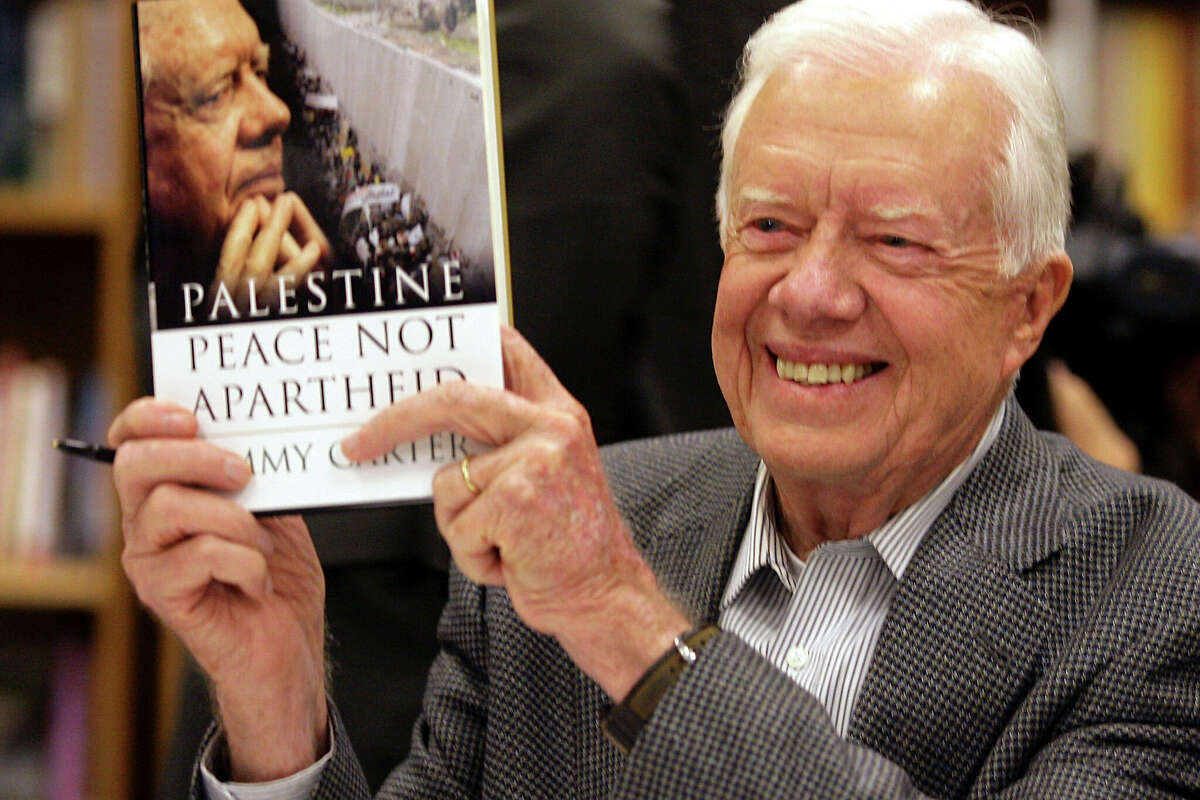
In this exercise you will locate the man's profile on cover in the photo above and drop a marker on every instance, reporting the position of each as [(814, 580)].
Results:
[(220, 215)]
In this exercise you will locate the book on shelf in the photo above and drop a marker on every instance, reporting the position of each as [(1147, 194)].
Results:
[(50, 507), (60, 77), (44, 698), (15, 154), (90, 506), (67, 720), (24, 684), (324, 228), (34, 397), (41, 393)]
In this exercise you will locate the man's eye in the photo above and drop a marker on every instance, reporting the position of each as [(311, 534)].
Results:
[(768, 225), (214, 97), (894, 241)]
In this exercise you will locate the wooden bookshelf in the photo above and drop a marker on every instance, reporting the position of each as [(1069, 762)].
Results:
[(80, 214), (52, 210), (79, 585)]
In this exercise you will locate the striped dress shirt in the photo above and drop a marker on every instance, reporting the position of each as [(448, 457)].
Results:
[(818, 620)]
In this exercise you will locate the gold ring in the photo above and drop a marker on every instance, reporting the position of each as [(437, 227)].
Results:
[(466, 473)]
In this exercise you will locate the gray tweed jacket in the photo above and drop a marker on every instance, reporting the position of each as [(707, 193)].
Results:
[(1044, 642)]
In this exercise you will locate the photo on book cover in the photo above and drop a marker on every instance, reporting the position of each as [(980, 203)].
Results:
[(324, 228)]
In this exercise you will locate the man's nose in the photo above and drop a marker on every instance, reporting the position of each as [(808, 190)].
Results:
[(265, 115), (820, 288)]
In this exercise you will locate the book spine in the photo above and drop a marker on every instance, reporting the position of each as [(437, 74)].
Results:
[(66, 725), (12, 406), (90, 506), (38, 511)]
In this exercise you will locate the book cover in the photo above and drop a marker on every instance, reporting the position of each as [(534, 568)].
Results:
[(324, 229)]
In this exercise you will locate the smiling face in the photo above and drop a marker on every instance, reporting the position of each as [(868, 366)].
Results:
[(863, 337), (213, 128)]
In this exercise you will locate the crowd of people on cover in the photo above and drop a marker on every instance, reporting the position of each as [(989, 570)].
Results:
[(378, 221)]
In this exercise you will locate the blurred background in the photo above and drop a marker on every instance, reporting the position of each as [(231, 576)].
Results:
[(90, 690)]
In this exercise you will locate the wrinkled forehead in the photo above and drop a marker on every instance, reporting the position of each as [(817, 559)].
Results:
[(951, 120), (181, 38), (946, 107)]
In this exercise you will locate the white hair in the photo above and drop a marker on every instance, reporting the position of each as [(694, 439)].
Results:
[(1029, 183)]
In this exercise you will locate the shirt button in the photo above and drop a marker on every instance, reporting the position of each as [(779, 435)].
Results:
[(797, 657)]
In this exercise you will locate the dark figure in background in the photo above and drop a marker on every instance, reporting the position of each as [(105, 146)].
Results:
[(709, 36), (1130, 333), (615, 262), (615, 265), (1134, 335)]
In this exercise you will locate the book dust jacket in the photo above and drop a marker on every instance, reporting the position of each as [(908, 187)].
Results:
[(324, 228)]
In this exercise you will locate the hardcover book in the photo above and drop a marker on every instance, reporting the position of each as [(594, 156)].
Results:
[(324, 229)]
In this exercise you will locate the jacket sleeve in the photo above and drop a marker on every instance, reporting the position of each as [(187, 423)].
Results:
[(736, 727), (445, 760)]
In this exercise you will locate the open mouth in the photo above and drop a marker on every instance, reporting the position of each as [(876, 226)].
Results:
[(818, 374)]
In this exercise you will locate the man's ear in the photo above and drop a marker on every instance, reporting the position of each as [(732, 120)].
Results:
[(1039, 297)]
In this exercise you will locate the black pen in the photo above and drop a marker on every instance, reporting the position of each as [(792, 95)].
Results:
[(95, 452)]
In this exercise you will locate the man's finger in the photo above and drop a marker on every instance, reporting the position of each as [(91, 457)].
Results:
[(302, 263), (172, 513), (451, 492), (142, 464), (289, 248), (482, 413), (474, 554), (527, 375), (150, 417), (306, 229), (260, 262), (238, 238), (184, 571), (264, 209)]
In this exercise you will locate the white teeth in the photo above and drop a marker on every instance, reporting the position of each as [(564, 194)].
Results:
[(819, 374)]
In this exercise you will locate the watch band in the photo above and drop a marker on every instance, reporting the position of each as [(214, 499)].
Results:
[(624, 721)]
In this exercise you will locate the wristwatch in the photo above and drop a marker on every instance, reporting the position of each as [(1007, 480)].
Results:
[(624, 721)]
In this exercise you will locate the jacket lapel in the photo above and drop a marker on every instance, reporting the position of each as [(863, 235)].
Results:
[(965, 636), (693, 560)]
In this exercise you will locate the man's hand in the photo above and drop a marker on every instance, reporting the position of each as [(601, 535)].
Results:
[(266, 241), (543, 525), (245, 595)]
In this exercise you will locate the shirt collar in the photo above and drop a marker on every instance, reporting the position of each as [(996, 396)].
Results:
[(896, 540)]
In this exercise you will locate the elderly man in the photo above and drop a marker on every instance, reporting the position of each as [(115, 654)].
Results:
[(885, 584), (214, 158)]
